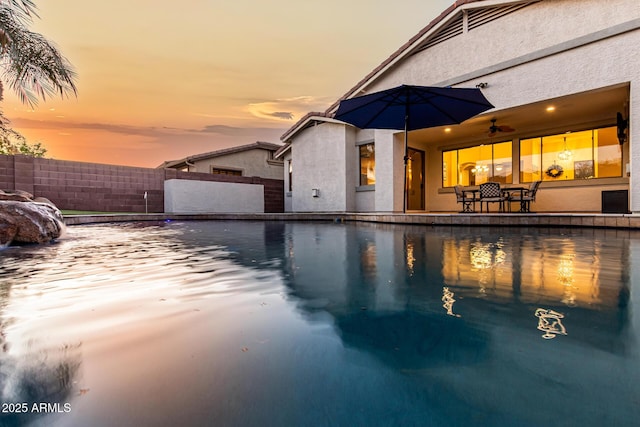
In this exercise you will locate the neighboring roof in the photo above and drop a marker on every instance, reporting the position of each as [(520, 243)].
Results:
[(260, 145), (416, 43)]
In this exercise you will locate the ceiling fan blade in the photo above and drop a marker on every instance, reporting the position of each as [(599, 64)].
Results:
[(506, 128), (492, 133)]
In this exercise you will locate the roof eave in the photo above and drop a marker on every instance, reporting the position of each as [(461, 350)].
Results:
[(282, 151), (305, 122)]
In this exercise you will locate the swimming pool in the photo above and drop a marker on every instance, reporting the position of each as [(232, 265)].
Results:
[(294, 324)]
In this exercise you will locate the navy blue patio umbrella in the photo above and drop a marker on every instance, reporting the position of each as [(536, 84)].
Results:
[(410, 108)]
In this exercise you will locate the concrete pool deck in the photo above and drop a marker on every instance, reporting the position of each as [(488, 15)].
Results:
[(593, 220)]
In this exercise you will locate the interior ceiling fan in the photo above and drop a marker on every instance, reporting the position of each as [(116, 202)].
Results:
[(494, 129)]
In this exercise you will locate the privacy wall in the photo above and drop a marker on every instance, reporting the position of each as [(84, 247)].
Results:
[(111, 188)]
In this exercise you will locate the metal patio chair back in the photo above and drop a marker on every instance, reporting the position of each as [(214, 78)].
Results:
[(490, 192)]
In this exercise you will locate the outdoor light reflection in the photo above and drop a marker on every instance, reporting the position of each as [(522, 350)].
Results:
[(565, 276), (410, 258), (557, 272), (448, 301), (549, 322), (486, 255)]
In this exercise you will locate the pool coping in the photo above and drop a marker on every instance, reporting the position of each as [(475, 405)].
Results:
[(595, 220)]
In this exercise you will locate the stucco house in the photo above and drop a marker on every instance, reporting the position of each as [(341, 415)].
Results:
[(564, 77), (256, 159)]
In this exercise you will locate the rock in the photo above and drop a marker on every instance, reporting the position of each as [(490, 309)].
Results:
[(45, 201), (8, 229), (25, 220), (14, 197)]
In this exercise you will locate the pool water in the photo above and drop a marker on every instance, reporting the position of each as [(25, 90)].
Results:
[(314, 324)]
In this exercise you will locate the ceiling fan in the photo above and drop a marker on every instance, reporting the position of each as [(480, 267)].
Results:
[(494, 129)]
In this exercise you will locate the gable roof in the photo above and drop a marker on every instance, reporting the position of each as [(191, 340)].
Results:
[(446, 25), (258, 145)]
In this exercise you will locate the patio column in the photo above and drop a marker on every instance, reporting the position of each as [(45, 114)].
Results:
[(389, 170), (633, 139)]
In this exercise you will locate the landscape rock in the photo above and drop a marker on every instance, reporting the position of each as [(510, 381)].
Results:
[(27, 220), (8, 229)]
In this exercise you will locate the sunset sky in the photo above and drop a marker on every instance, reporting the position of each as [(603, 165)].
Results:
[(162, 80)]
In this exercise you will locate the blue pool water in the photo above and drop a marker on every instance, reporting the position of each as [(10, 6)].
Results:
[(321, 324)]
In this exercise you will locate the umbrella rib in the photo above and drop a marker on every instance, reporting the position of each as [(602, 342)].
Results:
[(444, 112), (457, 98), (394, 98)]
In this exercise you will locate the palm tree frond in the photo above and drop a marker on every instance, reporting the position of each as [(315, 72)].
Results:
[(26, 8), (34, 68)]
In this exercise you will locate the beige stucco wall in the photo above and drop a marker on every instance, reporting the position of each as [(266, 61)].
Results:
[(189, 196), (254, 162), (320, 162), (533, 28)]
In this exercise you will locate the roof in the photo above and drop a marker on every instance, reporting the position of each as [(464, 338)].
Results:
[(401, 50), (282, 150), (309, 119), (258, 145), (415, 43)]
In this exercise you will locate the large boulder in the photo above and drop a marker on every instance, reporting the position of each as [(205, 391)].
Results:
[(25, 220), (8, 229)]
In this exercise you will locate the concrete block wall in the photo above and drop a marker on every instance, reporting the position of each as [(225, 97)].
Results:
[(98, 187), (110, 188), (7, 174)]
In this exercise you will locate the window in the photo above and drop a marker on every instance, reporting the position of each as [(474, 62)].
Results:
[(479, 164), (367, 164), (290, 176), (223, 171), (587, 154)]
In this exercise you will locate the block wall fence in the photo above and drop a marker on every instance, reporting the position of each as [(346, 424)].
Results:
[(110, 188)]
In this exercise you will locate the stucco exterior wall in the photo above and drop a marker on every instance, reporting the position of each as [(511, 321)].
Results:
[(389, 179), (319, 162), (256, 162), (187, 196), (288, 195), (533, 28)]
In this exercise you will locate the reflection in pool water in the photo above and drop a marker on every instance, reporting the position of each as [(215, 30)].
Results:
[(243, 323)]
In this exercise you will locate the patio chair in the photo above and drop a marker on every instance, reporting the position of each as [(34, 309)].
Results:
[(528, 196), (490, 192), (466, 198)]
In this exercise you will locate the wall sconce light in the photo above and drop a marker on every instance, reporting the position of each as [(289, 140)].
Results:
[(315, 192), (482, 85)]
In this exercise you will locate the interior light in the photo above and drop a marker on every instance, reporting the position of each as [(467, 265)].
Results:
[(566, 154), (447, 130), (551, 108)]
